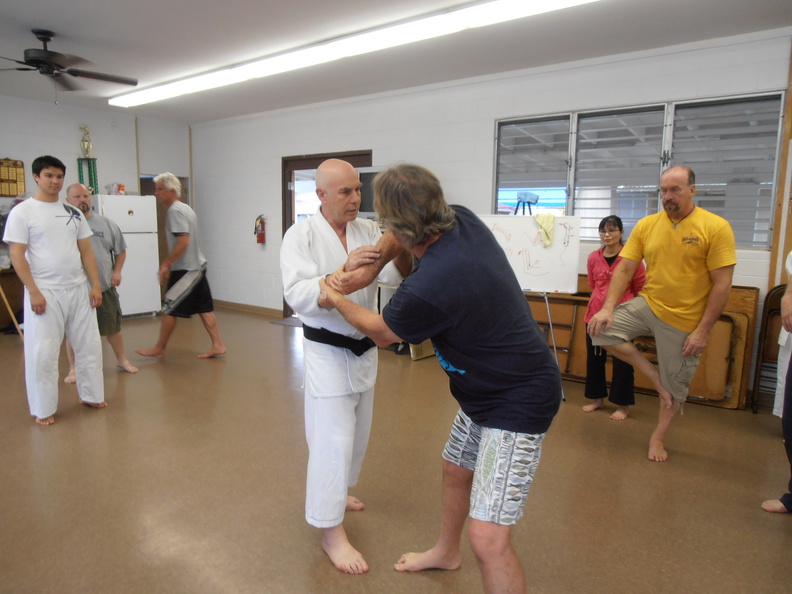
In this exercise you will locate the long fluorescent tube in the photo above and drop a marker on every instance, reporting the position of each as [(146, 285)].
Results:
[(438, 25)]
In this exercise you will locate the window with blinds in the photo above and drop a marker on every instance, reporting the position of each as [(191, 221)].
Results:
[(612, 161), (732, 146), (617, 167), (533, 166)]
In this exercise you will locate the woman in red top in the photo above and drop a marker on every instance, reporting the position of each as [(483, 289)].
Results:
[(601, 265)]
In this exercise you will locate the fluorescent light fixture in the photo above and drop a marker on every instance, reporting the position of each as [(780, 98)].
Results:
[(438, 25)]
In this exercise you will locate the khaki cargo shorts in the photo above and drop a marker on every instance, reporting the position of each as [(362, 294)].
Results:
[(635, 318)]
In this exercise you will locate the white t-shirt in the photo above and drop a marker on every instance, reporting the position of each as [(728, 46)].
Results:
[(50, 230)]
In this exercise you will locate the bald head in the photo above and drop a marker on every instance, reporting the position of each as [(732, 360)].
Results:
[(338, 188), (80, 196), (332, 170)]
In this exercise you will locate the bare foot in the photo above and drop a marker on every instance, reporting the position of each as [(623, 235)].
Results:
[(215, 351), (621, 413), (127, 366), (774, 505), (151, 352), (343, 555), (593, 406), (71, 377), (93, 404), (354, 504), (45, 422), (430, 559), (657, 451)]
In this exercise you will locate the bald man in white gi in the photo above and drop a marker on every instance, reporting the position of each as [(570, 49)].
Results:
[(340, 362)]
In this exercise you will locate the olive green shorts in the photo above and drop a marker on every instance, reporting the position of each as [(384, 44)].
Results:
[(109, 313)]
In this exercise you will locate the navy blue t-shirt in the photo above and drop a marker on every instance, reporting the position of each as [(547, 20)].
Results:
[(465, 296)]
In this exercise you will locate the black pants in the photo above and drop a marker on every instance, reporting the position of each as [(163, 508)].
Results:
[(786, 425), (622, 392)]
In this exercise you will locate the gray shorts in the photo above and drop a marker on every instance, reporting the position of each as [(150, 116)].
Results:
[(635, 318), (503, 465)]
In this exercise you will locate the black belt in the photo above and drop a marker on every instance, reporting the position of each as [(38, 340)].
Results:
[(357, 347)]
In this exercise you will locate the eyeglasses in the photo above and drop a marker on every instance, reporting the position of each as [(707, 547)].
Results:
[(609, 232)]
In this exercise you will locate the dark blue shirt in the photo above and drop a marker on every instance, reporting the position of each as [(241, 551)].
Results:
[(465, 296)]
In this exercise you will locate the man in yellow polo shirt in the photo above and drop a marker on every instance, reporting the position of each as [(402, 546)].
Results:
[(690, 256)]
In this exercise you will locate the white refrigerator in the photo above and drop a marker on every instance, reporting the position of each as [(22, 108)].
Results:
[(139, 290)]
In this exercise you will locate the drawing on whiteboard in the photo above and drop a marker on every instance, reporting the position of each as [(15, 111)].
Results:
[(499, 229), (539, 267), (530, 266)]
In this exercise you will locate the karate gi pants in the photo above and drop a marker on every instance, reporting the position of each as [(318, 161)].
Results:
[(68, 311), (337, 429)]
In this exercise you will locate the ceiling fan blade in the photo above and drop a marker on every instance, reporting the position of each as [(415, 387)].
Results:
[(121, 80), (12, 60), (9, 69), (65, 83), (68, 60)]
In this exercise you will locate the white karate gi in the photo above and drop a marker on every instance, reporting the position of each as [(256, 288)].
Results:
[(51, 230), (339, 387)]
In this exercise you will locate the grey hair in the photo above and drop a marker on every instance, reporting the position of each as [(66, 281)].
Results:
[(170, 181)]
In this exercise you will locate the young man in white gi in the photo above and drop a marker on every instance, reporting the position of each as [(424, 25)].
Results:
[(340, 362), (50, 247)]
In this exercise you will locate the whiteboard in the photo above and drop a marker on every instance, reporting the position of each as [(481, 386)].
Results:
[(539, 268)]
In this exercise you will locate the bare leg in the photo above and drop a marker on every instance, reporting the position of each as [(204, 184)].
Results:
[(595, 404), (657, 452), (343, 555), (500, 567), (117, 342), (622, 412), (627, 351), (456, 505), (775, 505), (210, 323), (354, 504), (71, 377), (166, 329)]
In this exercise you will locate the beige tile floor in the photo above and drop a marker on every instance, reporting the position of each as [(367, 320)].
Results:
[(192, 479)]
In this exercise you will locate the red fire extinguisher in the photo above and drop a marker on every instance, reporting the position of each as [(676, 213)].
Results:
[(259, 230)]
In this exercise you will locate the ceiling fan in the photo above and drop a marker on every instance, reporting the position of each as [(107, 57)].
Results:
[(56, 65)]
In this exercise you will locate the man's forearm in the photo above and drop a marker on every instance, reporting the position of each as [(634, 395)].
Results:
[(119, 262), (619, 282), (362, 319), (179, 248), (390, 249), (716, 303), (89, 264)]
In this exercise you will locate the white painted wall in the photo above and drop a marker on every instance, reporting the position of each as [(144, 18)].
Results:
[(32, 128), (450, 129), (29, 129), (163, 146)]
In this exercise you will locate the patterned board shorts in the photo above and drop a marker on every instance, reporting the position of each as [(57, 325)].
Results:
[(503, 465)]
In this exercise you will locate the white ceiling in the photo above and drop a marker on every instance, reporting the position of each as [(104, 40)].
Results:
[(160, 40)]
